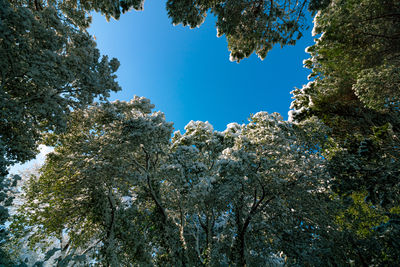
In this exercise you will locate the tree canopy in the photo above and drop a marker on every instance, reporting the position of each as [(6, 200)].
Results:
[(249, 26), (354, 90), (115, 180), (48, 68), (121, 189)]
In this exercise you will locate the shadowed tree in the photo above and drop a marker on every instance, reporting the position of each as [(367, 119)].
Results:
[(249, 26), (354, 89)]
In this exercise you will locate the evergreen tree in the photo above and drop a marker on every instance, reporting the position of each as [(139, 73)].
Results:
[(97, 186), (118, 190), (354, 89), (249, 26)]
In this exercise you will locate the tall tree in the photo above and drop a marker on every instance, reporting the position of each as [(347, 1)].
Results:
[(241, 196), (98, 185), (48, 67), (276, 187), (354, 89), (354, 65), (355, 70), (195, 198), (124, 193)]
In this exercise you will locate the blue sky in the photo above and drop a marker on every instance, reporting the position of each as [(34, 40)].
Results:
[(187, 73)]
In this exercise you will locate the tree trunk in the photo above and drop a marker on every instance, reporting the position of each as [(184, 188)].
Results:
[(241, 247)]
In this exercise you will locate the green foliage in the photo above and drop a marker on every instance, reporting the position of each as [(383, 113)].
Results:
[(249, 26), (117, 181), (7, 186), (361, 217), (78, 12), (118, 190), (48, 68), (87, 189), (355, 92), (354, 89), (354, 66)]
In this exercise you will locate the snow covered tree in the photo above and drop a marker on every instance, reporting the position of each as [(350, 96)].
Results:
[(195, 203), (119, 190), (242, 196), (91, 187), (48, 67), (7, 186), (276, 188), (249, 26), (354, 89), (354, 63)]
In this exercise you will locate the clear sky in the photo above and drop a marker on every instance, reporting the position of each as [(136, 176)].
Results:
[(187, 74)]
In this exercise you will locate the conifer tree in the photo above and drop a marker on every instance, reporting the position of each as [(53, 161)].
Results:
[(354, 89)]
